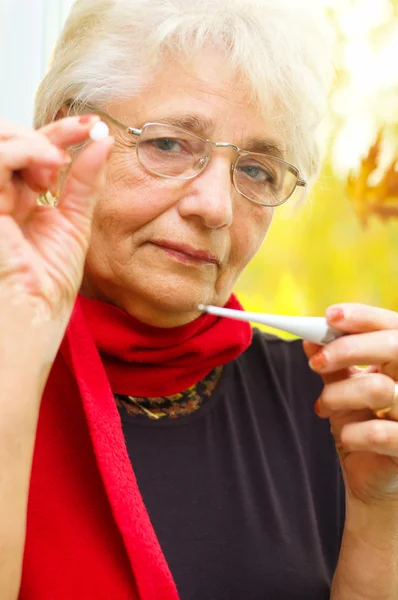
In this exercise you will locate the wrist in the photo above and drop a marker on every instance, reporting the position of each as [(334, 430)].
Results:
[(372, 522), (368, 562), (29, 335)]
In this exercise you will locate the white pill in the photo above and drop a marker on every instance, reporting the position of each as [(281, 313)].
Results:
[(99, 131)]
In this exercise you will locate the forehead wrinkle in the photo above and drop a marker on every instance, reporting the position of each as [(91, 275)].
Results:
[(193, 122)]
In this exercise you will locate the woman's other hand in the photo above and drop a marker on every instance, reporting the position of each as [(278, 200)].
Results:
[(42, 248), (367, 445)]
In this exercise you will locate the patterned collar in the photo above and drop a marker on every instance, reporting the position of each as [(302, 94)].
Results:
[(175, 406)]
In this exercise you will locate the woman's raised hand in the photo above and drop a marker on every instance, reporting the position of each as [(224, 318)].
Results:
[(42, 253), (42, 248)]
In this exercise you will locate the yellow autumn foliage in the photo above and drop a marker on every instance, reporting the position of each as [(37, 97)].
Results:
[(322, 255), (379, 198)]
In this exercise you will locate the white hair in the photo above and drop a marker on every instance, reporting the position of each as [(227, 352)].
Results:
[(109, 49)]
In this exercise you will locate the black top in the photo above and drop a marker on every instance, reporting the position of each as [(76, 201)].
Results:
[(245, 494)]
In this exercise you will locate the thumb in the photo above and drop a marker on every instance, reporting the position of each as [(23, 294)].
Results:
[(84, 183)]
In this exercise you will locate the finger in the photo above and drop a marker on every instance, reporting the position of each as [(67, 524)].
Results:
[(9, 130), (311, 349), (19, 197), (380, 437), (84, 183), (64, 133), (69, 130), (377, 347), (30, 151), (373, 391), (24, 200), (41, 179), (361, 318), (16, 198), (12, 247), (25, 149)]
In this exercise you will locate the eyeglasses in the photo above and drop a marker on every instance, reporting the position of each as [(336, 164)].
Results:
[(174, 153)]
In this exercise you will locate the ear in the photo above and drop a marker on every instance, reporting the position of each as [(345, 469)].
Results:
[(62, 112)]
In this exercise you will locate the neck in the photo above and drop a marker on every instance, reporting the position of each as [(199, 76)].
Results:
[(166, 317)]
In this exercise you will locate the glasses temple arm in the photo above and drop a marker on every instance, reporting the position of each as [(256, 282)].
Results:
[(103, 114)]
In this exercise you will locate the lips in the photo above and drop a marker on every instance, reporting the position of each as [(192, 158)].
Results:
[(191, 253)]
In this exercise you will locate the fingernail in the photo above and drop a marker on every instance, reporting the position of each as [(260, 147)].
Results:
[(318, 361), (335, 314), (86, 119)]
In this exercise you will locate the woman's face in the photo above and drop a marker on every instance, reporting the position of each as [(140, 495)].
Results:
[(146, 228)]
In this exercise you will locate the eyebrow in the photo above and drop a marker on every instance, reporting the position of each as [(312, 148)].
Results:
[(264, 146), (205, 127)]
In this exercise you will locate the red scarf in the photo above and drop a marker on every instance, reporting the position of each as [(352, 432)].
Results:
[(141, 360), (88, 532)]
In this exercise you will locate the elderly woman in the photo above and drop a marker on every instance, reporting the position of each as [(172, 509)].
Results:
[(148, 451)]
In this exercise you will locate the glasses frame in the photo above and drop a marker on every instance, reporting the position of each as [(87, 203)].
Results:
[(239, 151)]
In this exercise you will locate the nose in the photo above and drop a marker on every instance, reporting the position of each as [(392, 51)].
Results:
[(210, 196)]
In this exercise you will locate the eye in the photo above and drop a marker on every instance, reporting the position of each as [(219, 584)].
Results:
[(257, 173), (168, 145)]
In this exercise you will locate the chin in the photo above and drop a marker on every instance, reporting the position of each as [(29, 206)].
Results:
[(176, 299), (165, 302), (160, 298)]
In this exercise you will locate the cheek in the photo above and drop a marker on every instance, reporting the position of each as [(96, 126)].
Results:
[(133, 198), (251, 227)]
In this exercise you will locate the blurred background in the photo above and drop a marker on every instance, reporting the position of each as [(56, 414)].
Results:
[(343, 244)]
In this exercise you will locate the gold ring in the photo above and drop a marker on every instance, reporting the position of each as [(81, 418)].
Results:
[(385, 413)]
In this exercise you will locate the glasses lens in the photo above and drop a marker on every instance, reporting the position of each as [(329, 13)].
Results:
[(171, 152), (265, 179)]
